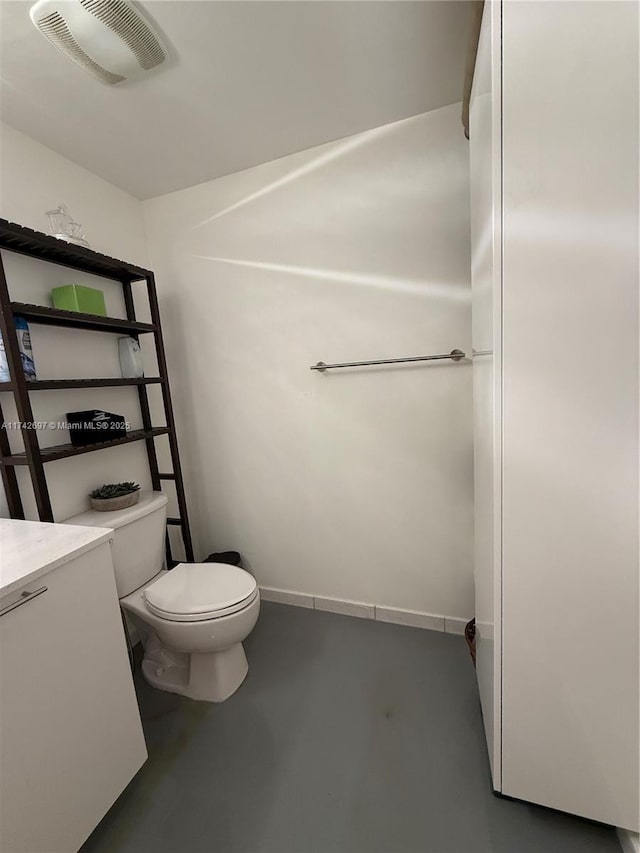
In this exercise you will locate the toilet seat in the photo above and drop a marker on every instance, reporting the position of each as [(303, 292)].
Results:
[(194, 592)]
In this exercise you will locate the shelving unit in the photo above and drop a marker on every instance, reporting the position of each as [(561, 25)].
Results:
[(24, 241)]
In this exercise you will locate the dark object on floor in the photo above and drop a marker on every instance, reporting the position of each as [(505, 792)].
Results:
[(94, 426), (470, 637), (232, 558)]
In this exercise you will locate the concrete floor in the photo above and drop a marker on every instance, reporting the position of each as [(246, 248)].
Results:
[(349, 736)]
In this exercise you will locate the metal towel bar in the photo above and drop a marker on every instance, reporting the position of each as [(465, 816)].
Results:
[(454, 355)]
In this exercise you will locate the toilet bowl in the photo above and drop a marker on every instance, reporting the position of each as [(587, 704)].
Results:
[(192, 628), (192, 619)]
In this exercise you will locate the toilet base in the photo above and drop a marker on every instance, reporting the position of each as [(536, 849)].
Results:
[(209, 676)]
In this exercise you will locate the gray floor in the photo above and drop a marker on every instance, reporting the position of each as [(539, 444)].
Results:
[(349, 736)]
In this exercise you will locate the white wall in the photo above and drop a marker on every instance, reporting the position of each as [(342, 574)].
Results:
[(35, 179), (354, 484)]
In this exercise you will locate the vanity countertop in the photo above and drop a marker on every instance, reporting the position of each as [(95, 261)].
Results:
[(30, 549)]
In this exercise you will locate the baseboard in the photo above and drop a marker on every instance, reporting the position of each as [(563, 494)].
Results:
[(283, 596), (366, 610), (629, 841)]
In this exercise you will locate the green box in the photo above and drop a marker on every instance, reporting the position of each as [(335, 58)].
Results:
[(76, 297)]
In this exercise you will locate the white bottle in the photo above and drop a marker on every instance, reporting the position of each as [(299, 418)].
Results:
[(130, 353), (4, 364), (24, 345)]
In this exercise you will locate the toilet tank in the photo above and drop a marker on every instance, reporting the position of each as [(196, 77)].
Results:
[(138, 539)]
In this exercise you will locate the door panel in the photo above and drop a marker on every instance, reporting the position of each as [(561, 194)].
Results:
[(570, 407), (485, 165)]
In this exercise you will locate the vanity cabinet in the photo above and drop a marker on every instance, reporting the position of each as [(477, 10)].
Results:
[(70, 731)]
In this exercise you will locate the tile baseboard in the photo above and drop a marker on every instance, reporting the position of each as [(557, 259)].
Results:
[(629, 841), (347, 608), (366, 610), (411, 618), (283, 596), (454, 625)]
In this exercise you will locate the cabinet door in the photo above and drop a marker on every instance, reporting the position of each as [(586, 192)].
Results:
[(570, 407), (70, 732), (485, 167)]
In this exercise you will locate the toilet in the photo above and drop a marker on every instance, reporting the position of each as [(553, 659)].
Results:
[(191, 620)]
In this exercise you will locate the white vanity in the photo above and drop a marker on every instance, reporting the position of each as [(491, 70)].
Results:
[(70, 731)]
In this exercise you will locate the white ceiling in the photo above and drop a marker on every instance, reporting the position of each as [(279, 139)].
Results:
[(250, 82)]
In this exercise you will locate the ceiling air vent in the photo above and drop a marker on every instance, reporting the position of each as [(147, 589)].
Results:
[(109, 38)]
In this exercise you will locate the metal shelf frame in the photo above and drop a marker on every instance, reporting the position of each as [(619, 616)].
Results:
[(15, 238)]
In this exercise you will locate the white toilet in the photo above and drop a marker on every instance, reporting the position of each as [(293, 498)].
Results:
[(192, 619)]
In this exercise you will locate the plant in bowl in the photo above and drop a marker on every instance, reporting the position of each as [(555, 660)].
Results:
[(114, 496)]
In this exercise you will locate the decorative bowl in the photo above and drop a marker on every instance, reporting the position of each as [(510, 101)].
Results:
[(111, 504)]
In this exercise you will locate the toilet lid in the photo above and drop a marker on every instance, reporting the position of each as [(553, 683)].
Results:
[(198, 591)]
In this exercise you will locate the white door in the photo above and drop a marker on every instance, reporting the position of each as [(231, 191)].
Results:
[(570, 407), (485, 166)]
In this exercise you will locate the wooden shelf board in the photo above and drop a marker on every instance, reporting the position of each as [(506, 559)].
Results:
[(61, 384), (62, 451), (77, 320), (35, 244)]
